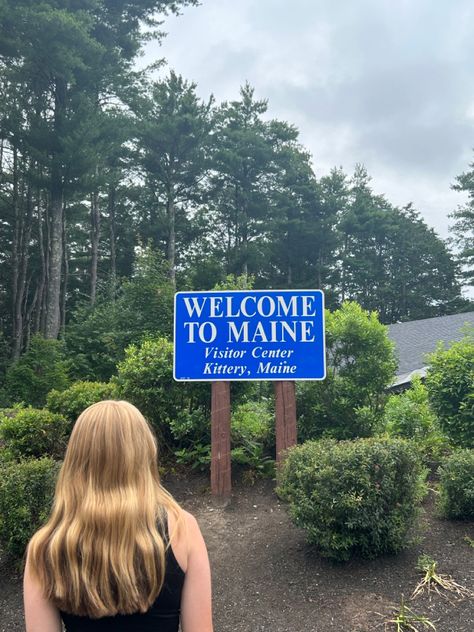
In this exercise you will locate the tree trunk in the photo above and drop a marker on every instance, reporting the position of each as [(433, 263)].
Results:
[(55, 261), (171, 245), (112, 229), (40, 310), (344, 258), (245, 245), (65, 277), (21, 294), (95, 237), (15, 251), (53, 322), (28, 317)]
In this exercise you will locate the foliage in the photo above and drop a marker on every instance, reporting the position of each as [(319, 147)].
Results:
[(251, 437), (38, 370), (450, 383), (303, 235), (360, 365), (128, 161), (65, 68), (463, 227), (456, 485), (251, 420), (354, 497), (98, 335), (251, 431), (34, 433), (72, 401), (247, 166), (173, 129), (26, 494), (5, 352), (191, 431), (197, 456), (405, 619), (145, 378), (5, 456), (409, 415), (236, 282), (391, 261), (432, 581)]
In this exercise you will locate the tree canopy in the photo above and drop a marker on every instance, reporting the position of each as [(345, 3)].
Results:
[(100, 163)]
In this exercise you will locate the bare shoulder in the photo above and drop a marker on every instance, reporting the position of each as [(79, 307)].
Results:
[(186, 537), (186, 519), (191, 522), (187, 522)]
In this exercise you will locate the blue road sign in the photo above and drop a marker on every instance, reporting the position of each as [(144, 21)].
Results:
[(249, 335)]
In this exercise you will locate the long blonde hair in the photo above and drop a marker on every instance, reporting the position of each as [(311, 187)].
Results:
[(102, 551)]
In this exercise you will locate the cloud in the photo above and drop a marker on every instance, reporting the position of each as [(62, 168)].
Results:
[(383, 83)]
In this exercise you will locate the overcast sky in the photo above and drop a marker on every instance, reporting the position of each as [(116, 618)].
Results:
[(381, 82)]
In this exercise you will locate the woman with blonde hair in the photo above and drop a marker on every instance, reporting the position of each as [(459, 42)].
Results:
[(117, 553)]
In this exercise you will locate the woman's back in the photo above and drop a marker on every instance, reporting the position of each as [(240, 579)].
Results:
[(106, 558), (163, 615)]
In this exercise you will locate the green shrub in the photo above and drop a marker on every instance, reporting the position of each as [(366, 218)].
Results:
[(26, 493), (361, 364), (34, 433), (251, 433), (12, 411), (191, 431), (456, 498), (5, 456), (191, 427), (251, 420), (72, 401), (450, 383), (354, 497), (196, 456), (39, 369), (145, 378), (409, 415)]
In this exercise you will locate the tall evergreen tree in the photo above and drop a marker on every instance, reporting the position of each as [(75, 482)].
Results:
[(174, 140), (463, 227), (246, 165), (303, 237), (391, 261)]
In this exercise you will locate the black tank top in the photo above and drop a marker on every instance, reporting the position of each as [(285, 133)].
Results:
[(163, 615)]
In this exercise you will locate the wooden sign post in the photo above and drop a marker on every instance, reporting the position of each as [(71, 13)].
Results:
[(285, 417), (220, 439)]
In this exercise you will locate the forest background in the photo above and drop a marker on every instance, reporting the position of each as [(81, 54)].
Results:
[(116, 189)]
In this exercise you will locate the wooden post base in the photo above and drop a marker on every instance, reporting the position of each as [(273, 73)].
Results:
[(220, 439), (285, 417)]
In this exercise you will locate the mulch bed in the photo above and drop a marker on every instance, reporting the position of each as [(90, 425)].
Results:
[(266, 578)]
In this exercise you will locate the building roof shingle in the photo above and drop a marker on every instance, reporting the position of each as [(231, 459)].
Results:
[(414, 339)]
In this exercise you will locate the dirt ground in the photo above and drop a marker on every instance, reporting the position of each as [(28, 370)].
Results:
[(265, 577)]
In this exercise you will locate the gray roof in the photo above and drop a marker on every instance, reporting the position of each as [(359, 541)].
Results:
[(414, 339)]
